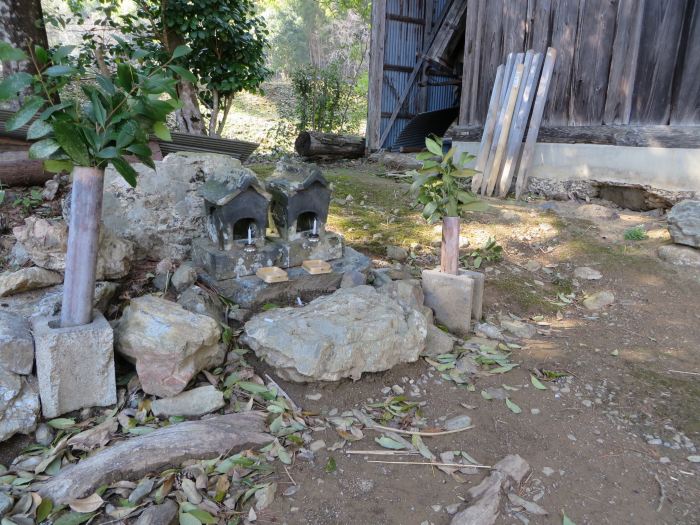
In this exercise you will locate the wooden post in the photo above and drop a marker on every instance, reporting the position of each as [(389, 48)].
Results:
[(83, 241), (449, 250)]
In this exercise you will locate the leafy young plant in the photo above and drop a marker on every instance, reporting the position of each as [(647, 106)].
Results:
[(121, 111), (637, 233), (491, 251), (441, 183), (28, 202)]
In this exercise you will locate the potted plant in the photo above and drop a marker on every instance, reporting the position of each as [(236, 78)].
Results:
[(441, 187), (113, 120), (119, 113)]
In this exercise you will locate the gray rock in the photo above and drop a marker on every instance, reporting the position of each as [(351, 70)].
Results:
[(518, 328), (599, 300), (46, 302), (165, 210), (184, 277), (397, 253), (438, 342), (50, 190), (458, 422), (195, 402), (352, 331), (163, 514), (46, 243), (353, 278), (16, 344), (19, 404), (27, 279), (168, 344), (199, 301), (408, 293), (684, 223), (589, 274), (680, 255), (488, 331), (44, 434)]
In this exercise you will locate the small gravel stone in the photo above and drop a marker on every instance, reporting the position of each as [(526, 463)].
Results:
[(655, 441), (317, 445), (664, 460), (571, 437), (547, 471), (587, 403), (313, 397), (398, 390), (452, 509), (534, 411)]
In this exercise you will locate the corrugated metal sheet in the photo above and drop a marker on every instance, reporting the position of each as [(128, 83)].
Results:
[(403, 45)]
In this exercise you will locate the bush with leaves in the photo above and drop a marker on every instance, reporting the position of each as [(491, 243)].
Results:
[(121, 111), (323, 99), (441, 184)]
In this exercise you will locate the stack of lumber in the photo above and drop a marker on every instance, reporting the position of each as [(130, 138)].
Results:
[(518, 97)]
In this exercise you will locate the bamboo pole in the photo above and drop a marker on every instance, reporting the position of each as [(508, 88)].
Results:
[(449, 249), (83, 241)]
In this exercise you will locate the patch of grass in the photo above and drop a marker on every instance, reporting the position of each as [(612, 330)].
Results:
[(563, 285), (637, 233), (529, 300)]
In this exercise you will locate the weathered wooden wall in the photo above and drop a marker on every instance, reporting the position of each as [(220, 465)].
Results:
[(620, 62)]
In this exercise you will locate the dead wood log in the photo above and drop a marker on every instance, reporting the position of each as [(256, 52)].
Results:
[(312, 144), (166, 447), (23, 172)]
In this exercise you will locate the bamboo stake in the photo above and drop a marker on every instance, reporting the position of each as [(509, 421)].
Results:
[(430, 463)]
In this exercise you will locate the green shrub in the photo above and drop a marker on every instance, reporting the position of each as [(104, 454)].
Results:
[(637, 233), (324, 100)]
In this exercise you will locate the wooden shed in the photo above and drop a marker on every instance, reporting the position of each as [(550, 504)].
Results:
[(627, 72)]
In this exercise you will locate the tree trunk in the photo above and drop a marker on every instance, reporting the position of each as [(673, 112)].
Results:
[(83, 241), (449, 250), (312, 144), (189, 117), (19, 27)]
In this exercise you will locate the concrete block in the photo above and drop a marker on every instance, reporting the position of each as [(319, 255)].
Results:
[(75, 365), (478, 299), (450, 297)]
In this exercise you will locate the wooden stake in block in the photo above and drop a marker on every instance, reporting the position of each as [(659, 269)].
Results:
[(272, 274), (316, 266)]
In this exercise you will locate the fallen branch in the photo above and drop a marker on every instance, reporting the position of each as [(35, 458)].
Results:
[(165, 447), (662, 497), (382, 452), (380, 428), (683, 372), (430, 463)]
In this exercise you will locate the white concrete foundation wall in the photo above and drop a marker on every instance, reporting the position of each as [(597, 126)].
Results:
[(671, 169)]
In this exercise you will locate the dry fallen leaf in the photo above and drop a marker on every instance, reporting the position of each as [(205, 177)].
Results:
[(96, 437), (85, 505)]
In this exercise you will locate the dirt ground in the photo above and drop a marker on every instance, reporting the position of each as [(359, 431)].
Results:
[(590, 437), (591, 428)]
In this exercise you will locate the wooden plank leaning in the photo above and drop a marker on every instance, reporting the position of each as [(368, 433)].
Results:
[(533, 65), (535, 121), (487, 136), (494, 166)]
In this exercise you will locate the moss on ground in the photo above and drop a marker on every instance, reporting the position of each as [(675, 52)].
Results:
[(528, 300)]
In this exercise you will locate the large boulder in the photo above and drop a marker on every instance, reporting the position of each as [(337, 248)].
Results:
[(16, 344), (45, 243), (164, 210), (352, 331), (27, 279), (684, 223), (168, 344), (19, 404)]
